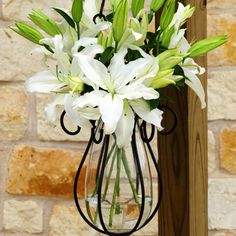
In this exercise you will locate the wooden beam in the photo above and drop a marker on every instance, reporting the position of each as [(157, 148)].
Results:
[(183, 154)]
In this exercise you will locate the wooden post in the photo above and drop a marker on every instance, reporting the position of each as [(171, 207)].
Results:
[(183, 154)]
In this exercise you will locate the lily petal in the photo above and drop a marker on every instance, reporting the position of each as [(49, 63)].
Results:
[(111, 109), (61, 56), (83, 42), (195, 84), (94, 70), (50, 109), (175, 39), (191, 65), (42, 82), (74, 114), (136, 90), (141, 107), (91, 99), (117, 63), (183, 45), (125, 128), (90, 113), (93, 29)]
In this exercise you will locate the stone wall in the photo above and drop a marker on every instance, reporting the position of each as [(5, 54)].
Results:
[(38, 161), (222, 120)]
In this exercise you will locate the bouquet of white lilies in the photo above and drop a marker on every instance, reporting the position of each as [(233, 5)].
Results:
[(108, 72), (109, 66)]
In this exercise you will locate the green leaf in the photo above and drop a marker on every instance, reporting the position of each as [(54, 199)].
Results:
[(109, 17), (179, 71), (67, 18), (153, 104), (107, 55), (77, 10), (206, 45), (137, 6)]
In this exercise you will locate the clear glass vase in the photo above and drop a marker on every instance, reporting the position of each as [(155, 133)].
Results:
[(118, 182)]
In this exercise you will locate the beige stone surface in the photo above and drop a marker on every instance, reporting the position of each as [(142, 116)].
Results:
[(222, 204), (43, 171), (66, 221), (13, 116), (222, 95), (18, 10), (211, 152), (49, 131), (228, 149), (17, 61), (219, 24), (221, 4), (23, 216), (221, 233)]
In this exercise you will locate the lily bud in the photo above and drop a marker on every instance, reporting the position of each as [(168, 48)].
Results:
[(76, 84), (140, 25), (120, 20), (162, 83), (167, 35), (115, 4), (144, 22), (164, 74), (187, 13), (77, 10), (167, 14), (156, 5), (44, 22), (163, 79), (28, 32), (169, 53), (206, 45), (134, 24), (170, 62), (137, 6)]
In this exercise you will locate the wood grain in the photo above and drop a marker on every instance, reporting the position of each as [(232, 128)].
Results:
[(183, 154)]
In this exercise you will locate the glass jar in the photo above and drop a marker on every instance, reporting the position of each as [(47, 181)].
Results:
[(118, 183)]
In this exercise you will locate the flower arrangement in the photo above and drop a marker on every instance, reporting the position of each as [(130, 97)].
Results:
[(110, 69)]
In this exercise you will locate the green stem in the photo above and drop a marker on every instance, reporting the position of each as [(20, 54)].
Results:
[(107, 181), (109, 176), (108, 158), (128, 173), (113, 204)]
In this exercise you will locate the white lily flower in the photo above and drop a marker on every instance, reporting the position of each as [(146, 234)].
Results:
[(50, 109), (67, 79), (121, 83), (178, 40), (80, 117), (191, 70)]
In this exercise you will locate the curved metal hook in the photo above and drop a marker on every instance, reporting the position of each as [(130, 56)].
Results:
[(100, 16), (93, 134), (175, 121), (72, 133), (143, 131)]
